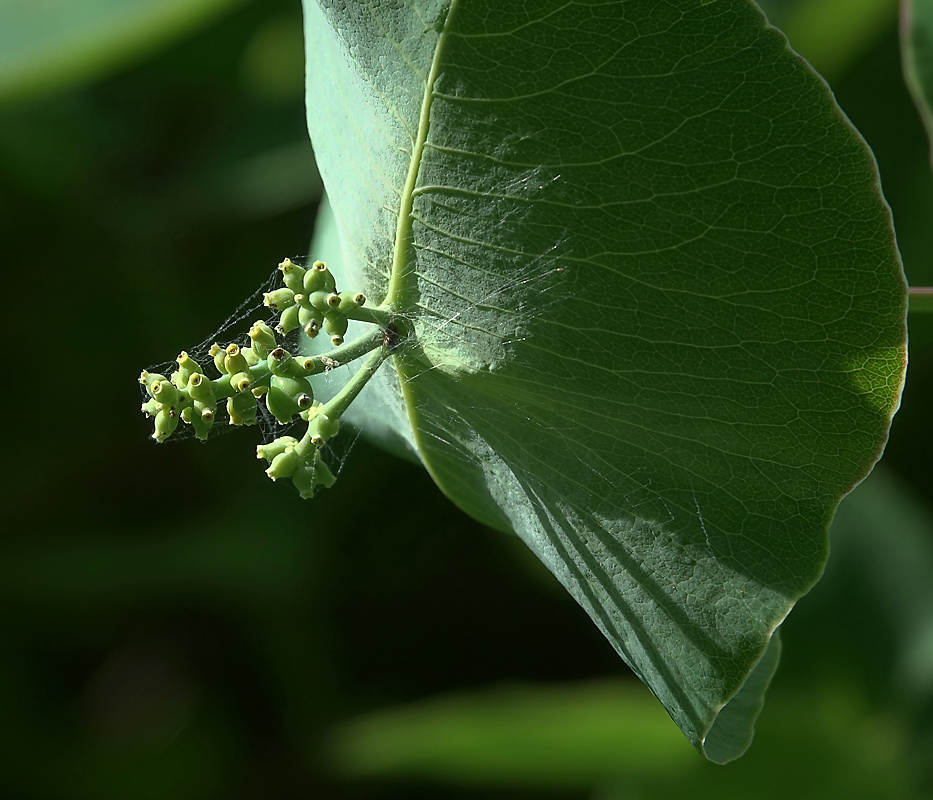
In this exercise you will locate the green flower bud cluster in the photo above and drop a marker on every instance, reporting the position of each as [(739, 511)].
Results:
[(263, 371), (246, 374), (301, 460), (310, 301)]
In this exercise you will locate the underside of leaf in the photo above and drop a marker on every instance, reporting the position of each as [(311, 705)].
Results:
[(657, 312)]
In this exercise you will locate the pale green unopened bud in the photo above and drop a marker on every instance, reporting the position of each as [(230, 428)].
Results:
[(322, 428), (218, 354), (187, 367), (263, 338), (275, 447), (148, 379), (165, 392), (235, 361), (316, 278), (288, 396), (199, 387), (310, 316), (241, 381), (284, 464), (279, 361), (292, 274), (165, 424), (251, 357), (280, 299), (281, 406), (320, 300), (151, 407), (199, 418), (336, 325), (350, 300), (289, 320), (241, 408), (292, 386), (306, 365), (308, 478), (202, 419)]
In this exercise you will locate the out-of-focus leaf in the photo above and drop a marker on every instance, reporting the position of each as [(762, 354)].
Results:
[(658, 308), (885, 539), (604, 734), (529, 736), (48, 44), (832, 34), (917, 52)]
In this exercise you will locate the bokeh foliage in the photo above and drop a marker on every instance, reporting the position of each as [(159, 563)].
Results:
[(164, 638)]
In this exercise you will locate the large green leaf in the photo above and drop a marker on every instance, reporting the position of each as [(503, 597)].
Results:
[(657, 307)]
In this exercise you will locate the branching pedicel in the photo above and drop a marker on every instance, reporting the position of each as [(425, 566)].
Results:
[(264, 371)]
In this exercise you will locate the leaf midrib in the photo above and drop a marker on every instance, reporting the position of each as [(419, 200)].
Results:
[(396, 296), (401, 280)]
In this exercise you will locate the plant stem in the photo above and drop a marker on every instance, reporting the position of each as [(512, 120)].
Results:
[(378, 315), (335, 407), (352, 350)]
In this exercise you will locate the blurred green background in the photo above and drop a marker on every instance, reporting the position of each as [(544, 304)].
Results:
[(176, 626)]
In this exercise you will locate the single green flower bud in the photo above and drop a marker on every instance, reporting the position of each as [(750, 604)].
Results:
[(241, 409), (284, 464), (251, 357), (241, 381), (319, 300), (275, 447), (235, 361), (206, 410), (336, 325), (263, 339), (288, 321), (187, 367), (202, 420), (350, 300), (308, 315), (218, 354), (148, 379), (199, 387), (165, 393), (280, 361), (288, 396), (316, 278), (292, 274), (305, 366), (292, 385), (308, 478), (280, 299), (151, 407), (322, 428), (165, 423), (281, 405)]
